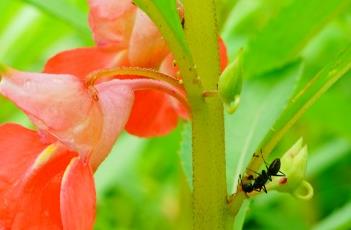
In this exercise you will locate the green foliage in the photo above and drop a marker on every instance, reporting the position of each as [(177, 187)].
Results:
[(287, 33), (70, 14), (339, 220)]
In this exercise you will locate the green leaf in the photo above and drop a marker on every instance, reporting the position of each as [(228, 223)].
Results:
[(338, 220), (336, 110), (118, 164), (283, 38), (306, 97), (246, 20), (9, 12), (327, 155), (262, 102), (64, 12)]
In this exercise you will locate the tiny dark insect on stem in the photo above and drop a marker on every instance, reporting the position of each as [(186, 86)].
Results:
[(260, 181)]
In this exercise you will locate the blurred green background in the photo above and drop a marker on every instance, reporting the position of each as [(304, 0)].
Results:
[(141, 184)]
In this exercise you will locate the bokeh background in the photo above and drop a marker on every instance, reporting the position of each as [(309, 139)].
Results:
[(141, 185)]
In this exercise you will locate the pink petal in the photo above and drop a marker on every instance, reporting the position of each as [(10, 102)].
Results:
[(115, 101), (86, 120), (111, 22), (78, 196), (58, 100), (147, 47), (58, 104)]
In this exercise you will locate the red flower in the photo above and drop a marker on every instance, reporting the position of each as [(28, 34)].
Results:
[(43, 186), (125, 36), (46, 177)]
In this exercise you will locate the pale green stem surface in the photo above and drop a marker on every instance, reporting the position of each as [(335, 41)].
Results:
[(209, 174)]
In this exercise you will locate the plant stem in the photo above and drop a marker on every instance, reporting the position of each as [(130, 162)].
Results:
[(209, 194), (209, 168)]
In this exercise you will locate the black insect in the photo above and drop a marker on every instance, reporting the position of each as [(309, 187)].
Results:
[(247, 187), (257, 185), (274, 168), (260, 181)]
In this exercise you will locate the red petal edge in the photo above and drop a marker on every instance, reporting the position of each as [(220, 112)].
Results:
[(36, 199), (78, 196), (80, 62)]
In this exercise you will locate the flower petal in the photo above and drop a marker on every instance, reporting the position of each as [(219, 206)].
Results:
[(111, 22), (222, 53), (58, 104), (115, 102), (78, 196), (153, 114), (147, 47), (58, 100), (80, 62), (35, 200), (169, 67), (19, 147)]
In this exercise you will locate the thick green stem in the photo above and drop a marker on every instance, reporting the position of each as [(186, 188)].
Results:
[(209, 172), (209, 194)]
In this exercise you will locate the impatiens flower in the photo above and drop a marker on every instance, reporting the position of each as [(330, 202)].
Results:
[(46, 177), (43, 185), (125, 36)]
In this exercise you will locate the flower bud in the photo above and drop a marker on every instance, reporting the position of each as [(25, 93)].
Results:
[(230, 83), (293, 165)]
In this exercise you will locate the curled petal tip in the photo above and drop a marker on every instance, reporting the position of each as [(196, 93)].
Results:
[(304, 191)]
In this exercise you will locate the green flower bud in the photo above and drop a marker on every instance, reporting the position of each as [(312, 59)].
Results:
[(230, 83), (293, 165)]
